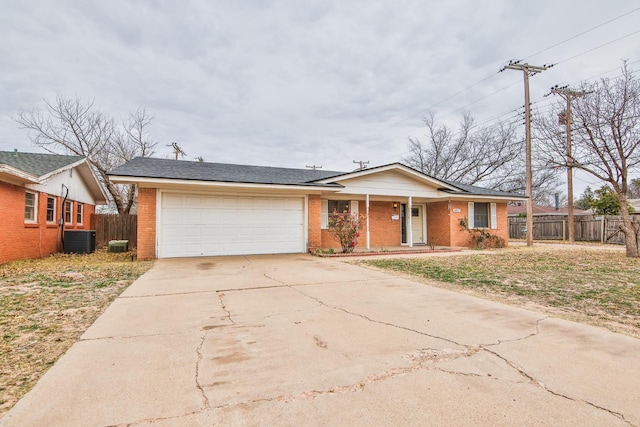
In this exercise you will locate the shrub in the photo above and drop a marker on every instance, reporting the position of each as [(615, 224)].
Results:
[(481, 238), (345, 228)]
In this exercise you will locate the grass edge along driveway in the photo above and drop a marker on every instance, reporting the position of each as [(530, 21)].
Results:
[(597, 287), (45, 306)]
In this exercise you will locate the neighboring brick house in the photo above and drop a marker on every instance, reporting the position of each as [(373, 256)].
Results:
[(34, 211), (190, 209)]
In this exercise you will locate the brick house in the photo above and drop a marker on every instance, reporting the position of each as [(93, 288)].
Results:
[(33, 204), (188, 209)]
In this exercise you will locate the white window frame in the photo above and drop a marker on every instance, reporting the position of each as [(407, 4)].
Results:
[(55, 205), (79, 213), (492, 221), (70, 212), (493, 216), (34, 208), (353, 208)]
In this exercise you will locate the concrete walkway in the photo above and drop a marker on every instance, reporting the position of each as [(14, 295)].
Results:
[(296, 340)]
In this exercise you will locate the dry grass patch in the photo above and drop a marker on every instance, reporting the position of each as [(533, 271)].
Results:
[(46, 304), (591, 286)]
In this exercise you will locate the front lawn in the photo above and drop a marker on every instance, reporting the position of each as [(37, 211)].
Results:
[(46, 305), (600, 287)]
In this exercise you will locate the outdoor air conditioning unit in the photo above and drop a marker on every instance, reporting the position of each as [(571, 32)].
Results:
[(79, 241)]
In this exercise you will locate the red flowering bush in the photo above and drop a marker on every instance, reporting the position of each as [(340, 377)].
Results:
[(345, 228)]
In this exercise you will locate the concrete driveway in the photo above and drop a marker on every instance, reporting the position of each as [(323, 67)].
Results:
[(297, 340)]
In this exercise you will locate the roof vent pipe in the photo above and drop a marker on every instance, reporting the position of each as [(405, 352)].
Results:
[(15, 152)]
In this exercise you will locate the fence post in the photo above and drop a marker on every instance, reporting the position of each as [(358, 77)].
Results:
[(564, 230), (602, 228)]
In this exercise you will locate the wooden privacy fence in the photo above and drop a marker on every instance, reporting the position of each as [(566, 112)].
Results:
[(115, 227), (604, 229)]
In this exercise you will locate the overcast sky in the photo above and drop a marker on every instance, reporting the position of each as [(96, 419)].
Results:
[(296, 83)]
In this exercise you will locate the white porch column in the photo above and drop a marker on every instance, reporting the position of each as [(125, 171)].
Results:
[(368, 234), (409, 220)]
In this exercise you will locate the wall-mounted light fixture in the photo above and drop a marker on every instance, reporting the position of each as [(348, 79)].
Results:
[(395, 205)]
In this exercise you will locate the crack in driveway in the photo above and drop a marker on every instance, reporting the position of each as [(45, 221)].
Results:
[(224, 307), (541, 385), (483, 347), (205, 399)]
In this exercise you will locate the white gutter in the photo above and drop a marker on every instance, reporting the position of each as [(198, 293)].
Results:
[(161, 182)]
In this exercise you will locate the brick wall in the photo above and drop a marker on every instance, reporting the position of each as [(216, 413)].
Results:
[(438, 224), (503, 222), (20, 240), (314, 222), (146, 223), (459, 236), (443, 223), (384, 230)]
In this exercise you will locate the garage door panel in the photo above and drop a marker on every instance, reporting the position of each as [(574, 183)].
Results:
[(200, 225), (172, 200)]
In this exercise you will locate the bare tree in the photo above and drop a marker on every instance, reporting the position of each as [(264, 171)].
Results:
[(491, 156), (606, 140), (70, 126)]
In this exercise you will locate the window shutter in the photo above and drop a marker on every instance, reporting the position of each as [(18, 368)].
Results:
[(354, 207), (470, 216), (324, 214), (494, 216)]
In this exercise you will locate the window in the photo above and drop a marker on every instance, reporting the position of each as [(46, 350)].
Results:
[(51, 209), (30, 207), (340, 206), (482, 215), (79, 211), (68, 208)]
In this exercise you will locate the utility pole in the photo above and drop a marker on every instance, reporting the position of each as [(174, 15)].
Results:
[(362, 164), (314, 167), (527, 70), (568, 94), (176, 149)]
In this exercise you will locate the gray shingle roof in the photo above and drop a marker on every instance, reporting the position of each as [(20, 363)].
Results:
[(36, 164), (146, 167), (481, 191)]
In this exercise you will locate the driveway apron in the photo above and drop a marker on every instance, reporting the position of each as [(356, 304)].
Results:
[(296, 340)]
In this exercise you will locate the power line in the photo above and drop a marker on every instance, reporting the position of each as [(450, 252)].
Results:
[(527, 71), (583, 33), (568, 95), (545, 105), (499, 90), (421, 112), (598, 47), (537, 53)]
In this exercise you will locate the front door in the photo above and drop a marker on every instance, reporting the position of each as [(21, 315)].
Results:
[(417, 224)]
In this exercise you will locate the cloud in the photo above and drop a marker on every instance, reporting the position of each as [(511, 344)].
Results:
[(290, 83)]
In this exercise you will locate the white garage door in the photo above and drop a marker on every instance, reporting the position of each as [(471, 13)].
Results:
[(199, 225)]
